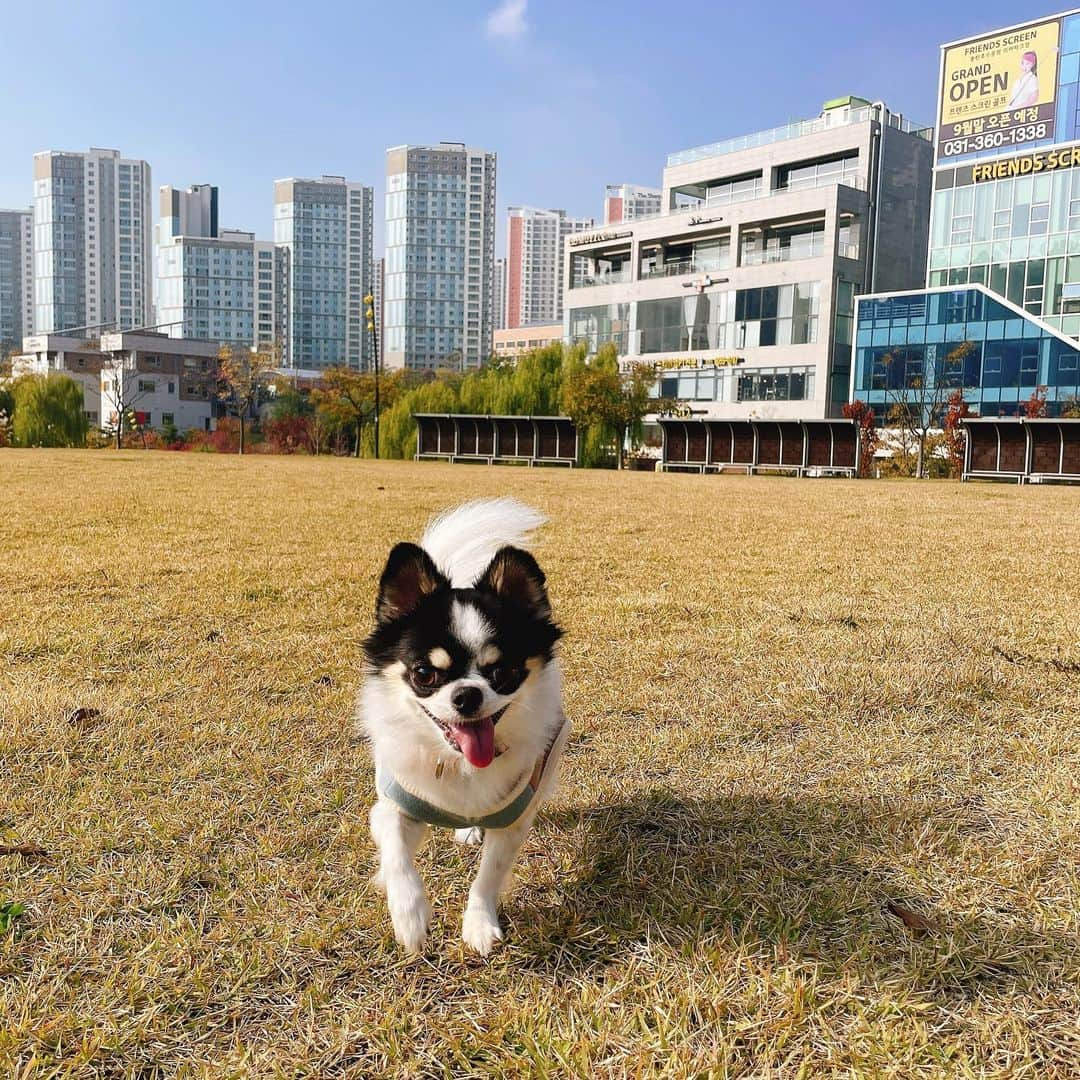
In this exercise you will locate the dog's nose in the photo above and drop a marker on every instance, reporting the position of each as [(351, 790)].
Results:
[(467, 700)]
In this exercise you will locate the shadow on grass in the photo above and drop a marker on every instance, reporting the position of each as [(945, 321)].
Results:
[(814, 881)]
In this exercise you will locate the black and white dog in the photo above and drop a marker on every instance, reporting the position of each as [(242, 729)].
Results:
[(462, 706)]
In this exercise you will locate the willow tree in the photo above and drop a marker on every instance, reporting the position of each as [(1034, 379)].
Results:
[(49, 411)]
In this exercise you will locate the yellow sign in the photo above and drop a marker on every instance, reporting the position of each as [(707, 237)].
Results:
[(998, 90), (677, 364), (1041, 161)]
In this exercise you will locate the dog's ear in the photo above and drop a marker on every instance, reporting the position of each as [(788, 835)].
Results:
[(410, 575), (513, 575)]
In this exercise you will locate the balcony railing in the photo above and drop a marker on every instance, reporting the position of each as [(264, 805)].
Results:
[(680, 267), (834, 119), (784, 254), (616, 277), (806, 183)]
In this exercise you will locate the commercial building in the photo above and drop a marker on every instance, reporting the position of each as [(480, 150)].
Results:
[(628, 202), (535, 250), (512, 342), (16, 278), (499, 308), (92, 241), (440, 256), (1004, 263), (325, 229), (742, 291)]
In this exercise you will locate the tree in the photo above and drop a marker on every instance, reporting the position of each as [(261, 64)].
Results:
[(1070, 408), (122, 387), (49, 411), (919, 400), (1035, 406), (869, 439), (598, 395), (346, 398), (956, 412), (242, 374)]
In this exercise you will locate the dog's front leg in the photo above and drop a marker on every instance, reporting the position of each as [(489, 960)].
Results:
[(480, 927), (398, 838)]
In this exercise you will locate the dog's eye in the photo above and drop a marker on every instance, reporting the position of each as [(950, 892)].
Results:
[(501, 677), (425, 675)]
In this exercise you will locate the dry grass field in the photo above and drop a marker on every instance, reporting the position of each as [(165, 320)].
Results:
[(820, 814)]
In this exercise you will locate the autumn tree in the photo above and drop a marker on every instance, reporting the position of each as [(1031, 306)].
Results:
[(956, 412), (869, 438), (49, 411), (242, 374), (347, 398), (1035, 406)]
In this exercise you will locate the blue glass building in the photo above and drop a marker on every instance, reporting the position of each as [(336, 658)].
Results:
[(908, 345)]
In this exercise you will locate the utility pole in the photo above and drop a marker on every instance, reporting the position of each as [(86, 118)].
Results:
[(369, 312)]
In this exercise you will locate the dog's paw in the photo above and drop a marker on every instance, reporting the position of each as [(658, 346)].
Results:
[(410, 913), (378, 881), (480, 930), (472, 836)]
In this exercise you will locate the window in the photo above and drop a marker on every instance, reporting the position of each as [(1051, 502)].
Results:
[(168, 419), (146, 386)]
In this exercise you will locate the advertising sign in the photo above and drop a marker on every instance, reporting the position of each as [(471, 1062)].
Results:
[(999, 91)]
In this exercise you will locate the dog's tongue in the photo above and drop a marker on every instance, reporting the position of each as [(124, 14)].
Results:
[(477, 741)]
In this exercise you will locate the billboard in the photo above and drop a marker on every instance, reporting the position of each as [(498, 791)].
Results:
[(999, 91)]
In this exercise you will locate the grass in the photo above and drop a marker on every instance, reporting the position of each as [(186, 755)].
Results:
[(820, 815)]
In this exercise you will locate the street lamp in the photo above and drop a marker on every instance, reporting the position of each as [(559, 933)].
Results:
[(369, 314)]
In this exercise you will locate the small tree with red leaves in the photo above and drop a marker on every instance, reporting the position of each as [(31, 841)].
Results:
[(1035, 406), (869, 439), (956, 412)]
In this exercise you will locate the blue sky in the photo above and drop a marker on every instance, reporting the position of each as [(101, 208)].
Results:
[(572, 95)]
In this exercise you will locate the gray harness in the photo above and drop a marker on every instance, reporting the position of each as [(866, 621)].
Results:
[(418, 809)]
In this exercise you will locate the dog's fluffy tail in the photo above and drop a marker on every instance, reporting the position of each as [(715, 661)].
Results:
[(463, 541)]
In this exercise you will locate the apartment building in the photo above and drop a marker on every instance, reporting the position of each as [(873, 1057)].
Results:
[(535, 248), (16, 278), (628, 202), (741, 293), (499, 286), (324, 227), (440, 256), (92, 241)]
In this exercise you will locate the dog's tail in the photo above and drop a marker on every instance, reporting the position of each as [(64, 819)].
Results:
[(463, 541)]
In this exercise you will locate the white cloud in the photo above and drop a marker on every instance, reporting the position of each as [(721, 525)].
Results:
[(507, 21)]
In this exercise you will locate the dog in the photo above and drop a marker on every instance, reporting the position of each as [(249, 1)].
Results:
[(462, 706)]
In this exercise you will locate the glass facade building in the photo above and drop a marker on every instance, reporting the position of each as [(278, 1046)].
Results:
[(1003, 271), (920, 347)]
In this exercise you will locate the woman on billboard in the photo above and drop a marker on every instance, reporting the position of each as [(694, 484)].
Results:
[(1026, 91)]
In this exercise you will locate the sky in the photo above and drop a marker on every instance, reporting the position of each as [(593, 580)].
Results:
[(571, 95)]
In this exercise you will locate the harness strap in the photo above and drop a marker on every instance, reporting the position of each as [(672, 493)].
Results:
[(421, 810)]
